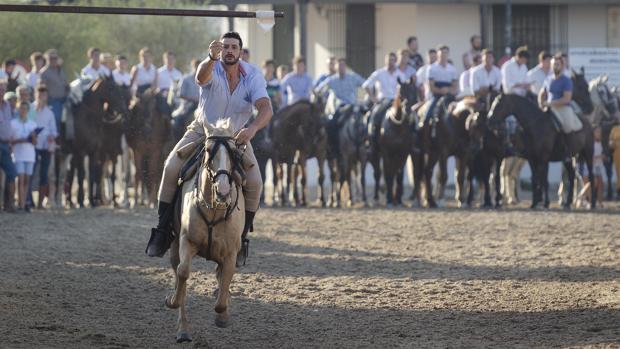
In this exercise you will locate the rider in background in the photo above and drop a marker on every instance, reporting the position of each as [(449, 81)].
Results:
[(486, 77), (442, 79), (168, 75), (541, 72), (381, 89), (144, 74), (273, 84), (297, 84), (468, 57), (514, 73), (415, 59), (406, 71), (121, 74), (331, 70), (465, 88), (189, 94), (421, 76), (94, 69), (281, 72)]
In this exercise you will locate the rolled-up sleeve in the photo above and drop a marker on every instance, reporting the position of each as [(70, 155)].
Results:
[(370, 82), (258, 88)]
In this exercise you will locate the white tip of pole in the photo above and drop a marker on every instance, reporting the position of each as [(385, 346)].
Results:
[(266, 19)]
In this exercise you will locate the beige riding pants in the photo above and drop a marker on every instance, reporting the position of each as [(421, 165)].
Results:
[(172, 168)]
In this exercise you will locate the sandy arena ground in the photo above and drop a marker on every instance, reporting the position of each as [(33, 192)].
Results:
[(351, 278)]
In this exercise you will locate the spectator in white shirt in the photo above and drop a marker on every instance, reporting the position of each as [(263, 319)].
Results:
[(107, 60), (45, 140), (540, 73), (465, 88), (485, 77), (94, 69), (514, 73), (381, 84), (24, 137), (38, 62), (144, 74), (422, 73), (168, 75), (121, 73)]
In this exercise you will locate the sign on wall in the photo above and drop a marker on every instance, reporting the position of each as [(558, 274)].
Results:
[(597, 61)]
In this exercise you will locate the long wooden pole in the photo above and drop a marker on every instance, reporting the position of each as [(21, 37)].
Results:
[(130, 11)]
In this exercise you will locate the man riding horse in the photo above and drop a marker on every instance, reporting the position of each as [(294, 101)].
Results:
[(229, 88), (381, 88)]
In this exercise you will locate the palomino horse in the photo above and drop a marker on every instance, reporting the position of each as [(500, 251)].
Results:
[(395, 144), (544, 143), (102, 103), (299, 134), (149, 134), (209, 222)]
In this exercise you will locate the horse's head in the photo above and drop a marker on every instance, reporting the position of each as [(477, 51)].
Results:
[(408, 92), (476, 126), (221, 166), (501, 108), (398, 112), (581, 93), (602, 97), (111, 97)]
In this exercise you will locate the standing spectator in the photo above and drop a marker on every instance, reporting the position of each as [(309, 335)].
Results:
[(168, 75), (597, 168), (45, 146), (485, 77), (53, 77), (442, 79), (465, 87), (6, 162), (468, 57), (298, 84), (514, 73), (245, 55), (273, 84), (9, 70), (38, 62), (331, 70), (281, 72), (121, 73), (11, 98), (415, 59), (614, 145), (24, 137), (23, 94), (537, 75), (144, 74), (94, 69), (422, 73), (405, 70)]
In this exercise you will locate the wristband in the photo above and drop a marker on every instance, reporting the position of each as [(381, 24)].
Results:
[(213, 59)]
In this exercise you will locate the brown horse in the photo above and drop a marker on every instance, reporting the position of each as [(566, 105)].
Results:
[(149, 135), (102, 104), (298, 135)]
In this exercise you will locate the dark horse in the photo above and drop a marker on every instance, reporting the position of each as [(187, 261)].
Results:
[(299, 134), (543, 143), (353, 148), (103, 104), (149, 135)]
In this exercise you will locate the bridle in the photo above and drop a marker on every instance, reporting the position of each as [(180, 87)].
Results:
[(213, 205)]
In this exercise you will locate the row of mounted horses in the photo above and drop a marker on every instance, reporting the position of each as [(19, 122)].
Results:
[(473, 131)]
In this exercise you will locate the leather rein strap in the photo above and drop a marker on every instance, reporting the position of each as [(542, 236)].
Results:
[(199, 199)]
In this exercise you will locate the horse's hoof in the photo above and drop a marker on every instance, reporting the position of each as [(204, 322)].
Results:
[(566, 207), (221, 323), (216, 292), (169, 304), (183, 337)]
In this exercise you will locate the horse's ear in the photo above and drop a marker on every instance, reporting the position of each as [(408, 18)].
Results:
[(605, 78), (208, 127), (583, 70), (228, 125)]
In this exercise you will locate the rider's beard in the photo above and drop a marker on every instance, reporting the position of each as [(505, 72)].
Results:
[(231, 60)]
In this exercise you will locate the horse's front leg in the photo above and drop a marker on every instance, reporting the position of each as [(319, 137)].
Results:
[(400, 177), (225, 272), (459, 195), (321, 163), (182, 323), (545, 182), (443, 178), (186, 252), (568, 165), (497, 180)]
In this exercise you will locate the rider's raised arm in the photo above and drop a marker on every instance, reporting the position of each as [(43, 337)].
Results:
[(205, 69)]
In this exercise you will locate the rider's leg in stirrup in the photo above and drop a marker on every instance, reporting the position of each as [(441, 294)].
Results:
[(161, 235), (251, 192)]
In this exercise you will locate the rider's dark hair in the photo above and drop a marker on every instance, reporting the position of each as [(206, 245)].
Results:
[(443, 47), (233, 35), (410, 39), (522, 52), (431, 51), (473, 38), (9, 62), (544, 55)]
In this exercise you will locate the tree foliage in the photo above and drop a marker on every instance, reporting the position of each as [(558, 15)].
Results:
[(72, 34)]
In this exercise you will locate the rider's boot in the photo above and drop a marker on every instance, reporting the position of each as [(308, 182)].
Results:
[(245, 242), (161, 236)]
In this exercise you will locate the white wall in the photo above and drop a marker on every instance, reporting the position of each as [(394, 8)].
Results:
[(258, 41), (587, 26), (394, 23), (317, 45)]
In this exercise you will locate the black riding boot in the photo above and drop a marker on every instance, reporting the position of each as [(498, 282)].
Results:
[(161, 236), (245, 242)]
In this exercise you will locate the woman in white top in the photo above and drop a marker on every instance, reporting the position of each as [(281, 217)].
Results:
[(24, 137), (144, 74)]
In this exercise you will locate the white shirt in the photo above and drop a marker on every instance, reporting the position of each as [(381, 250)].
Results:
[(406, 75), (23, 151), (442, 73), (512, 74), (32, 78), (421, 79), (93, 73), (121, 78), (144, 76), (44, 118), (480, 77), (537, 77), (165, 77), (465, 83), (384, 82)]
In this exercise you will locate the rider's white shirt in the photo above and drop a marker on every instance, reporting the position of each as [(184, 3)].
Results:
[(442, 73), (513, 73), (421, 75), (384, 83), (144, 76), (481, 77), (165, 77), (465, 83), (91, 72), (537, 77), (121, 78)]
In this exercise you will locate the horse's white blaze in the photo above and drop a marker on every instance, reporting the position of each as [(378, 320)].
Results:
[(223, 186)]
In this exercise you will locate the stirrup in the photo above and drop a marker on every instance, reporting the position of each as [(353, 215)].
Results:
[(159, 242), (243, 253)]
